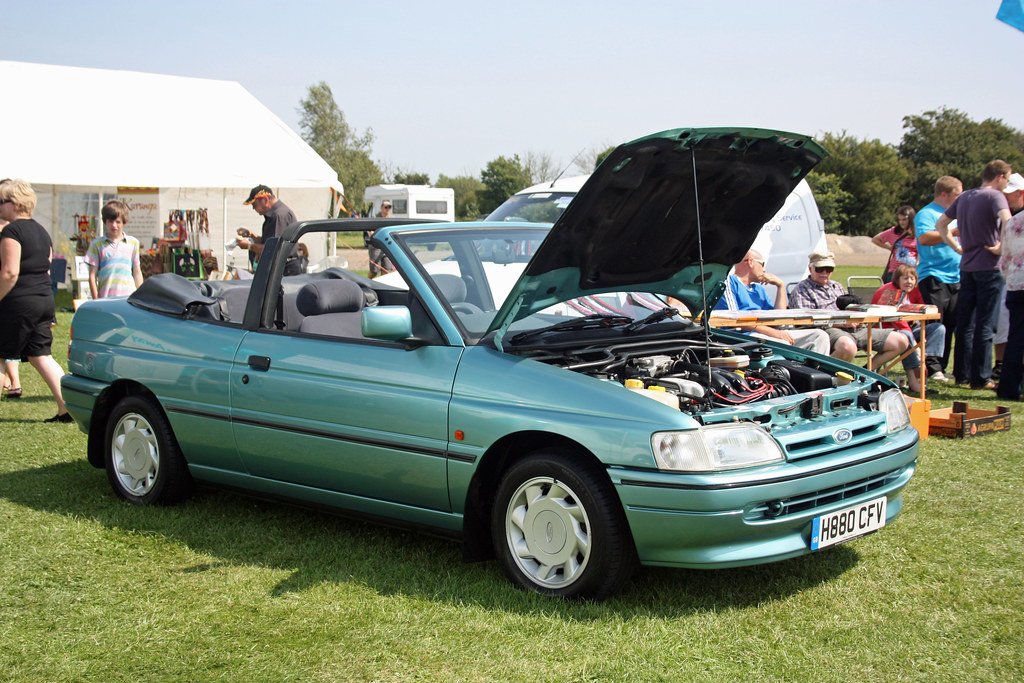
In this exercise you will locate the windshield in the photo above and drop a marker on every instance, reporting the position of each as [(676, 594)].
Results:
[(473, 271), (536, 207)]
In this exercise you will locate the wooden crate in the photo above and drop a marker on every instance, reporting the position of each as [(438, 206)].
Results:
[(961, 421)]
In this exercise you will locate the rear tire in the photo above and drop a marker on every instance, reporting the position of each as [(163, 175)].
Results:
[(143, 460), (559, 529)]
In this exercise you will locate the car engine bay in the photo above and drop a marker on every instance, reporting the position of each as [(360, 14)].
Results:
[(697, 376)]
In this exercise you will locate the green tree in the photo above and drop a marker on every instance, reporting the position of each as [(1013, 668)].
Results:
[(467, 191), (832, 200), (322, 125), (403, 178), (601, 156), (948, 142), (502, 178), (870, 175)]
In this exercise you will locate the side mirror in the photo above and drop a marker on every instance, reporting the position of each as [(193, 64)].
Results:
[(390, 323)]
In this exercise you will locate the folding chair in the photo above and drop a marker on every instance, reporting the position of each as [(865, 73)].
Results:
[(863, 286)]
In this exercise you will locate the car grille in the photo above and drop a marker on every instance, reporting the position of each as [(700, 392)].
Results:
[(776, 509), (802, 445)]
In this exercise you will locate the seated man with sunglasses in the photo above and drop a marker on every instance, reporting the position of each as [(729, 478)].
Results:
[(819, 291), (746, 292)]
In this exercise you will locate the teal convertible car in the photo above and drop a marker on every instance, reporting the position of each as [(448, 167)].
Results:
[(537, 392)]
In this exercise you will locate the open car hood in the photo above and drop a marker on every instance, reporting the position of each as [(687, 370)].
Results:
[(655, 209)]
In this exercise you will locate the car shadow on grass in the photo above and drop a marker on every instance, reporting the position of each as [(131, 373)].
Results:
[(320, 548)]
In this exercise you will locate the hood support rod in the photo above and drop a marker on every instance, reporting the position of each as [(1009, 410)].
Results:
[(700, 260)]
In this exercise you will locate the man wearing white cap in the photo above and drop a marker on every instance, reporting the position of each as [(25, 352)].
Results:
[(1014, 192), (819, 291)]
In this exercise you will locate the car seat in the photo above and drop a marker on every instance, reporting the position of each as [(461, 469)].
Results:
[(332, 308), (453, 289)]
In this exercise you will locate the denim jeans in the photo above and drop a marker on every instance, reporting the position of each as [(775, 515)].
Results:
[(980, 294), (1013, 356), (945, 296), (934, 342)]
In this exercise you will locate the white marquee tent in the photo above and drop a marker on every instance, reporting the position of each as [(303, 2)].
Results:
[(82, 136)]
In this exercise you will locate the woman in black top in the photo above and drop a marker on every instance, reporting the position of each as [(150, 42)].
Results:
[(26, 293)]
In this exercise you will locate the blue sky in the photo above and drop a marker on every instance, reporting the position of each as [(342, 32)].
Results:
[(448, 86)]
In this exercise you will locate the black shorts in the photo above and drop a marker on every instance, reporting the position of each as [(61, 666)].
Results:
[(25, 323)]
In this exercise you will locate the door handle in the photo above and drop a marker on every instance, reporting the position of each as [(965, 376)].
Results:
[(259, 362)]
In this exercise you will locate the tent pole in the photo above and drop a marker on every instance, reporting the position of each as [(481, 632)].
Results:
[(54, 228), (224, 232)]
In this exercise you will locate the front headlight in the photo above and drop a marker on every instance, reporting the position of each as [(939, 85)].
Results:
[(718, 447), (897, 416)]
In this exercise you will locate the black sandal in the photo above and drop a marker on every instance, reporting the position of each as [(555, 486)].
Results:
[(60, 417), (14, 393)]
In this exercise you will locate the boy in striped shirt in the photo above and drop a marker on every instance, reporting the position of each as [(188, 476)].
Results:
[(113, 259)]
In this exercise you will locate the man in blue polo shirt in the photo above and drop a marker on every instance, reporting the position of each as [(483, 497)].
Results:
[(745, 292), (938, 272)]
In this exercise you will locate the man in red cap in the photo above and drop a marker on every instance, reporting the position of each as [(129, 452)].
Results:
[(276, 217)]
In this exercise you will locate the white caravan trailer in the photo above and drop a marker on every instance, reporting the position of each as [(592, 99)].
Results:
[(413, 201)]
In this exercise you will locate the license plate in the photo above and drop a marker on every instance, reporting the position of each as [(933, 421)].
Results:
[(851, 522)]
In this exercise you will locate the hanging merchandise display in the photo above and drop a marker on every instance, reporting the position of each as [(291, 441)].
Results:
[(196, 221), (84, 232), (180, 247), (174, 228)]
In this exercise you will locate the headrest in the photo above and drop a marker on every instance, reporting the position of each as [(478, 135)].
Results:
[(329, 296), (453, 287)]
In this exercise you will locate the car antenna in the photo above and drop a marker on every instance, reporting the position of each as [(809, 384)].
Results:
[(700, 261), (562, 172)]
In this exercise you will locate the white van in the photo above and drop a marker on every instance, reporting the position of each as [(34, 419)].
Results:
[(794, 233), (413, 201), (785, 241)]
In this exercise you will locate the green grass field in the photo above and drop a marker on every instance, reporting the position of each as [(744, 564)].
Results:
[(227, 588)]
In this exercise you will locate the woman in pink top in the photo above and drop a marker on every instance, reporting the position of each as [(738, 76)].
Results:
[(900, 241)]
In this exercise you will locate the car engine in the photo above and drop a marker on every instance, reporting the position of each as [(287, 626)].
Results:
[(696, 376)]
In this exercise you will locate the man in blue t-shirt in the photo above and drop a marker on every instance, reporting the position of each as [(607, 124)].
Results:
[(938, 272), (745, 292), (980, 215)]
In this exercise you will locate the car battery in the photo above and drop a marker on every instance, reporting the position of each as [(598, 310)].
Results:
[(802, 377)]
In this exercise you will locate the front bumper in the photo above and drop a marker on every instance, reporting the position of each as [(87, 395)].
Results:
[(745, 517)]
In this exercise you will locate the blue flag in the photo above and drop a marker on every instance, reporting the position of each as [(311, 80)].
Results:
[(1012, 13)]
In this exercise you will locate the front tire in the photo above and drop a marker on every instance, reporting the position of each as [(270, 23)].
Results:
[(559, 529), (143, 460)]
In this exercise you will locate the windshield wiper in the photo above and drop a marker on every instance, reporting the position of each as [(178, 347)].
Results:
[(588, 322), (657, 316)]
